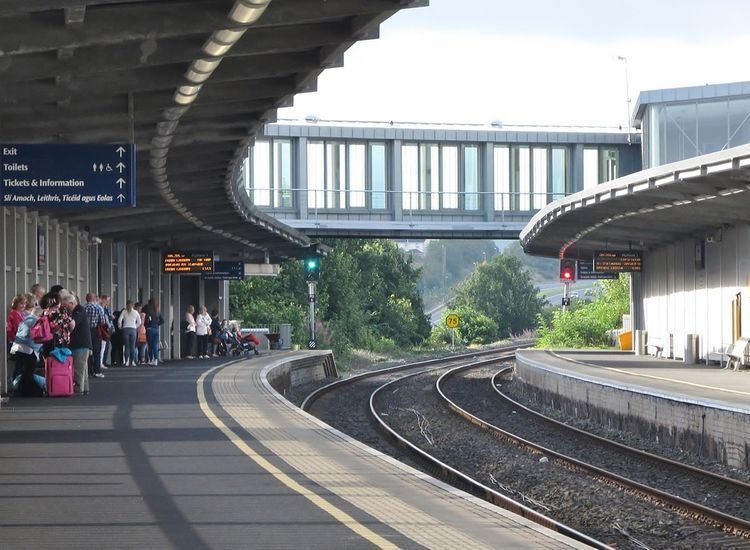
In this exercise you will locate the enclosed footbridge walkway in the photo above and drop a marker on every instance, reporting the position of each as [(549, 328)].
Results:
[(374, 179)]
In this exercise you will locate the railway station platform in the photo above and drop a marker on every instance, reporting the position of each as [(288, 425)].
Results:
[(208, 455), (701, 409)]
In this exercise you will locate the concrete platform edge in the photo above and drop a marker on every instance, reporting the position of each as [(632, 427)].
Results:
[(398, 464)]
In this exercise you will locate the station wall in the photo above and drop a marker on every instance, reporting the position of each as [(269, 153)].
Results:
[(681, 298)]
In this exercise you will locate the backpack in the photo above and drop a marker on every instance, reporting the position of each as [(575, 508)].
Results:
[(41, 332)]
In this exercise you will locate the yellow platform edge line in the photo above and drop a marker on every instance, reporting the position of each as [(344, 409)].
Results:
[(315, 499), (652, 376)]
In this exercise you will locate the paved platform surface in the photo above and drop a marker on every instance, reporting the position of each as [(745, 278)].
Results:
[(203, 455), (699, 384)]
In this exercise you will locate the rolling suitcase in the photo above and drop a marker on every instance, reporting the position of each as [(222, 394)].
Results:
[(59, 377)]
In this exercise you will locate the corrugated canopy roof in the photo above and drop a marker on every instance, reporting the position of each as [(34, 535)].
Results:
[(106, 71)]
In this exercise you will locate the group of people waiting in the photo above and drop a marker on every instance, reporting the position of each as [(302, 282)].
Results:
[(207, 336), (83, 331)]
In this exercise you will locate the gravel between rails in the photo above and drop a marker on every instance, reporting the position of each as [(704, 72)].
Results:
[(473, 392), (516, 392), (573, 498)]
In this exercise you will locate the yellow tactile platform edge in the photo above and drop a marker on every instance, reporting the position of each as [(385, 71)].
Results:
[(242, 390)]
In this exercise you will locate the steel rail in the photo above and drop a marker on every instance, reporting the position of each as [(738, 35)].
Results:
[(464, 481), (727, 522), (318, 393)]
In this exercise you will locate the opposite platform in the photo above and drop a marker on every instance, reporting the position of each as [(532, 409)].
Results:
[(698, 408), (199, 455)]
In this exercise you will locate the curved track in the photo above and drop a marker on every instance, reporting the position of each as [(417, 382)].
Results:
[(672, 483), (366, 386)]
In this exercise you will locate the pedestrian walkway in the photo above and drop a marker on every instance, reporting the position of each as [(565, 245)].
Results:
[(152, 460)]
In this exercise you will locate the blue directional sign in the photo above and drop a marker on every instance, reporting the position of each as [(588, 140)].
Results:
[(67, 176), (225, 271)]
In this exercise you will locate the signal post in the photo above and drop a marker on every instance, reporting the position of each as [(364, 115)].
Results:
[(312, 276), (567, 276)]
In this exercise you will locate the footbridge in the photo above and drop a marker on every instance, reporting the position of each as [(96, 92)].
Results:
[(409, 180)]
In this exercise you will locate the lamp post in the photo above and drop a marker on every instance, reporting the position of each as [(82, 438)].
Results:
[(627, 95)]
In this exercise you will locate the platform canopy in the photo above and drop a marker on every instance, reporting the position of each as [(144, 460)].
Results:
[(189, 82), (691, 198)]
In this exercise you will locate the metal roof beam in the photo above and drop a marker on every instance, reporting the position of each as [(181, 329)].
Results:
[(93, 60), (120, 23)]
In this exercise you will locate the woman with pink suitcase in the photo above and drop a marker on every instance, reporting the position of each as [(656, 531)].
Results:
[(53, 329)]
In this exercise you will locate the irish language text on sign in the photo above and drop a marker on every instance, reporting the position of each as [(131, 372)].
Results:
[(63, 175), (618, 261), (188, 262)]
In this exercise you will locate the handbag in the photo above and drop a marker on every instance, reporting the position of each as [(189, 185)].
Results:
[(41, 332), (102, 330)]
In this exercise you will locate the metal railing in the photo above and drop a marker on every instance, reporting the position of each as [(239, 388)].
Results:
[(323, 201)]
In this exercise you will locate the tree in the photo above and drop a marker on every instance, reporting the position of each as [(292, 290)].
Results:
[(460, 257), (501, 289), (586, 325), (367, 292)]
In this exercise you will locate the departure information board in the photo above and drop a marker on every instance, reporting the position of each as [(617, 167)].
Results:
[(188, 262), (625, 261), (586, 272)]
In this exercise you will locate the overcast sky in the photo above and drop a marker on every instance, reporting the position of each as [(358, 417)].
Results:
[(533, 61)]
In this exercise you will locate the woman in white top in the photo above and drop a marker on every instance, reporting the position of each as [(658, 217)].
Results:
[(203, 328), (129, 322), (189, 332)]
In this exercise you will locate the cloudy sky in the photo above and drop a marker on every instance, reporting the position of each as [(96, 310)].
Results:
[(532, 62)]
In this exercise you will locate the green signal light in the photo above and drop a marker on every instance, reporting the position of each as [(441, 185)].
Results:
[(312, 264)]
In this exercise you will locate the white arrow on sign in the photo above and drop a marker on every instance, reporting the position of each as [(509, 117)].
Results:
[(121, 182), (120, 167), (120, 197), (120, 150)]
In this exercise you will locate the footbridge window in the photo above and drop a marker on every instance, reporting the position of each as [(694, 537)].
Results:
[(600, 165), (527, 177), (269, 173), (436, 176), (346, 175)]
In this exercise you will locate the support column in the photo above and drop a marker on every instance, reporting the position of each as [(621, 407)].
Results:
[(4, 291), (300, 177), (121, 282), (43, 269), (132, 272), (395, 197), (224, 300), (201, 294), (28, 273), (106, 284), (172, 289), (94, 284), (637, 318), (487, 181), (576, 168), (145, 271)]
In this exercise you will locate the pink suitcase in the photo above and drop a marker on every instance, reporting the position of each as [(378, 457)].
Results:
[(59, 377)]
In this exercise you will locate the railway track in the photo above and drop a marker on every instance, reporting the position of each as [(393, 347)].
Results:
[(358, 422), (673, 484)]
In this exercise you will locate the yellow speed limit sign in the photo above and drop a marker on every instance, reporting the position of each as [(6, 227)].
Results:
[(452, 320)]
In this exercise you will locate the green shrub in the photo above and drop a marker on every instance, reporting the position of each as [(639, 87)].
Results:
[(585, 325)]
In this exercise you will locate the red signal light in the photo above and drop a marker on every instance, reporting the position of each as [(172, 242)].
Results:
[(568, 270)]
